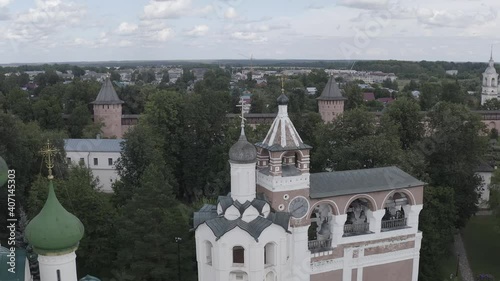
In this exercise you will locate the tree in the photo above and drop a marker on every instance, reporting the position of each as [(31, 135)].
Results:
[(429, 95), (204, 144), (142, 145), (453, 148), (77, 71), (413, 85), (405, 114), (17, 102), (149, 252), (452, 92), (353, 141), (90, 131), (354, 96), (437, 222), (78, 119), (306, 124), (47, 112), (115, 76), (493, 104), (20, 144)]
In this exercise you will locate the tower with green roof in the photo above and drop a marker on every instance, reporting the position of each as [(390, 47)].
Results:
[(55, 234)]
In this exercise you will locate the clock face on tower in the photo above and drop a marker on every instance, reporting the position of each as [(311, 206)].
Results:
[(298, 207)]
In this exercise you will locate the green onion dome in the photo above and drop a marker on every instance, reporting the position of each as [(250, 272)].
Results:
[(54, 231)]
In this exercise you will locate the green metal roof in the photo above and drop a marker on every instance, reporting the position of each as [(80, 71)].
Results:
[(54, 230), (20, 263), (330, 184)]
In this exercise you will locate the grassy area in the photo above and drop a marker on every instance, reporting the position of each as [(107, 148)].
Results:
[(482, 243)]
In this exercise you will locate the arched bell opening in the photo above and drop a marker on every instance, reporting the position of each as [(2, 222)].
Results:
[(320, 230), (396, 211), (358, 214)]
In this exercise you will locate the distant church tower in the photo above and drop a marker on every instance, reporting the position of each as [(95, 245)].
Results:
[(108, 110), (331, 101), (55, 234), (490, 82)]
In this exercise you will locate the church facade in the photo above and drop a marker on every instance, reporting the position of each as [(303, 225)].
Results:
[(281, 222)]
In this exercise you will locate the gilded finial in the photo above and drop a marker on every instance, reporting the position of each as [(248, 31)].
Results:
[(48, 152), (242, 116)]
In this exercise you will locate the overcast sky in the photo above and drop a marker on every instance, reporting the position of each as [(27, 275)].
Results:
[(102, 30)]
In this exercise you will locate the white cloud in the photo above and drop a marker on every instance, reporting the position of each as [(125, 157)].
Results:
[(48, 17), (124, 43), (4, 3), (164, 34), (230, 13), (204, 11), (457, 18), (364, 4), (154, 31), (248, 36), (198, 30), (127, 28), (164, 9)]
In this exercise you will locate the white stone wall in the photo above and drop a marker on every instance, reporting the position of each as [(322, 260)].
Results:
[(243, 182), (253, 269), (106, 173), (51, 265)]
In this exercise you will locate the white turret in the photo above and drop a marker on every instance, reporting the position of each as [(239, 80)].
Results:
[(243, 159)]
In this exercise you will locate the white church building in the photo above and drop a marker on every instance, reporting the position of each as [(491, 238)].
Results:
[(99, 155), (280, 222), (490, 82)]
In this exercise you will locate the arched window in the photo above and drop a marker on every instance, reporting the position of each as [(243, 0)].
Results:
[(270, 254), (270, 276), (238, 255), (208, 252)]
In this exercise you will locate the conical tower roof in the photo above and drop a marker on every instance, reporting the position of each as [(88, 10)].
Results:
[(54, 231), (107, 94), (331, 91), (282, 135)]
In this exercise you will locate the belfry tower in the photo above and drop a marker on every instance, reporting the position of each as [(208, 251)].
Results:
[(490, 82)]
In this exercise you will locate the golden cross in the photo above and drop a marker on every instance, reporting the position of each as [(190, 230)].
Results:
[(48, 152), (243, 106)]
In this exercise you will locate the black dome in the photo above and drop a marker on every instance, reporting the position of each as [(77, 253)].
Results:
[(243, 151), (282, 100)]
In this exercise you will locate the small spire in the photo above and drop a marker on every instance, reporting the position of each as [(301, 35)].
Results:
[(243, 106), (48, 152), (491, 55)]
